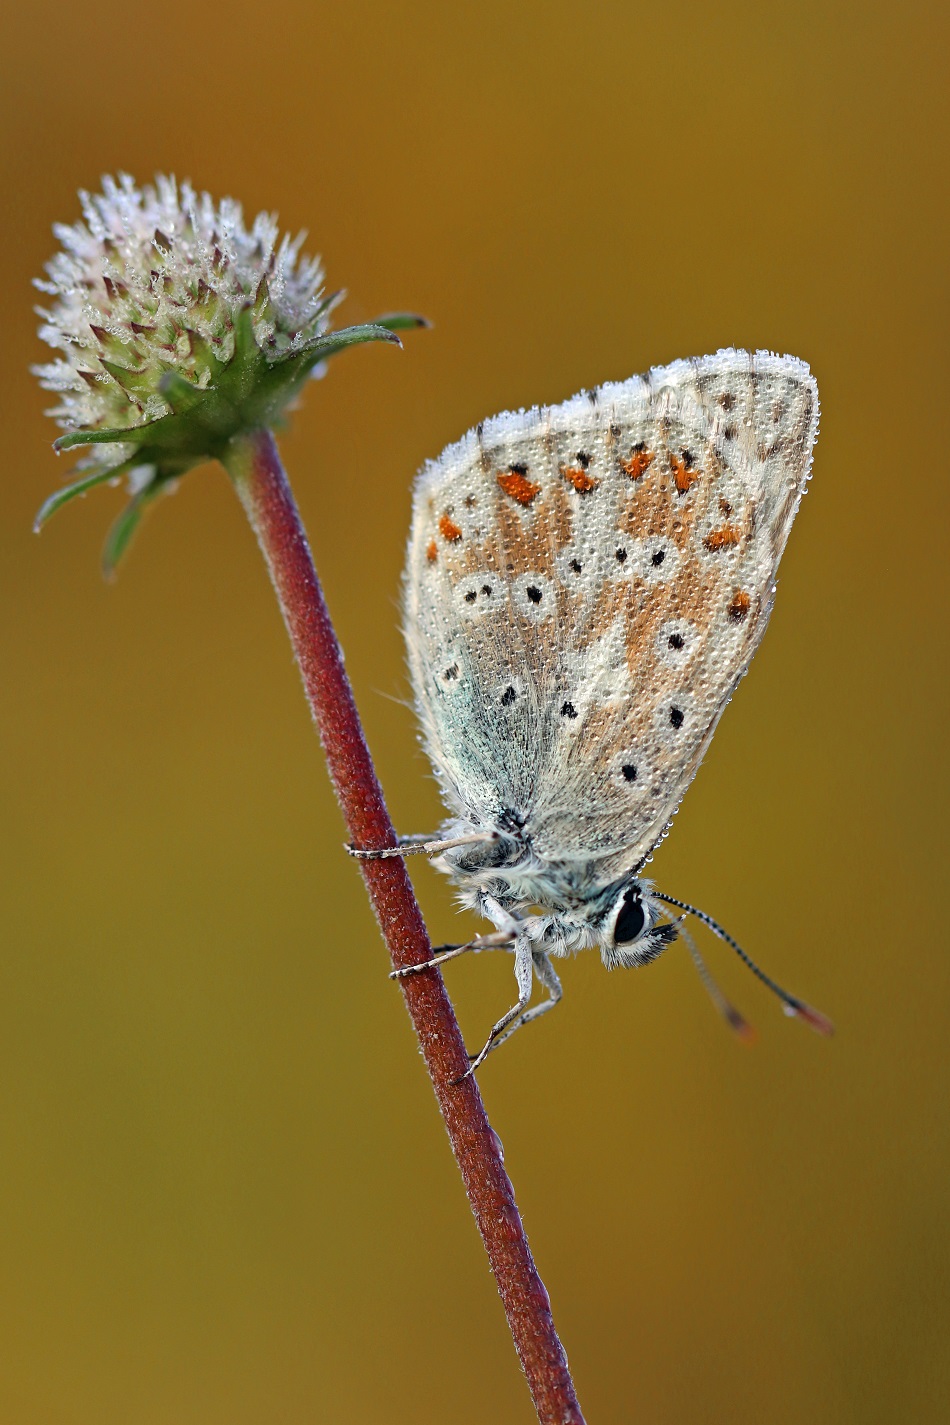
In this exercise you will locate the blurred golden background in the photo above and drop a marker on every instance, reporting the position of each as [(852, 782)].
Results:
[(225, 1193)]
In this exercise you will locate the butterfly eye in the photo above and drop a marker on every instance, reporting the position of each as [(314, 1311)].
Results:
[(631, 918)]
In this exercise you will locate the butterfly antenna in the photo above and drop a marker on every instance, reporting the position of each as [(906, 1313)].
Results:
[(737, 1022), (792, 1005)]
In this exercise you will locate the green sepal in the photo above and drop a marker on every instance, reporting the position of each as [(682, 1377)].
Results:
[(178, 393), (125, 526), (138, 384), (403, 321), (323, 347), (204, 354), (79, 487), (95, 437), (108, 342), (263, 307), (245, 342)]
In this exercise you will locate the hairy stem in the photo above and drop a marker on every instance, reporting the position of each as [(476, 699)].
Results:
[(254, 465)]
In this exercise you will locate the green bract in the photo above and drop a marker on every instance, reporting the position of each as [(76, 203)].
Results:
[(179, 329)]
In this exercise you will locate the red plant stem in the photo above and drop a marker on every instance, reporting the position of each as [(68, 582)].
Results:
[(254, 465)]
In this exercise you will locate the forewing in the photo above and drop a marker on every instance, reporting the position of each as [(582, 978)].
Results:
[(586, 585)]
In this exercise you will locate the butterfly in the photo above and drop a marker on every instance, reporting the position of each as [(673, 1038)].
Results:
[(586, 584)]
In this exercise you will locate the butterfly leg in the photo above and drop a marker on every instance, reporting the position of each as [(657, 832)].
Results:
[(499, 940), (546, 974), (524, 967), (421, 846)]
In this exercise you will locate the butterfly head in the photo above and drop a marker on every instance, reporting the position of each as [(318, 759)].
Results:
[(630, 933), (622, 921)]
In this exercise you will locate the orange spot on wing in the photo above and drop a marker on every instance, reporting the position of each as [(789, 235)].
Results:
[(639, 463), (449, 530), (432, 552), (739, 608), (683, 475), (722, 538), (516, 484), (582, 482)]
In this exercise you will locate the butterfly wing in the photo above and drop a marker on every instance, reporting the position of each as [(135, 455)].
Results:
[(586, 585)]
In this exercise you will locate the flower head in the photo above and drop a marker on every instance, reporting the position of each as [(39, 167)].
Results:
[(179, 327)]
